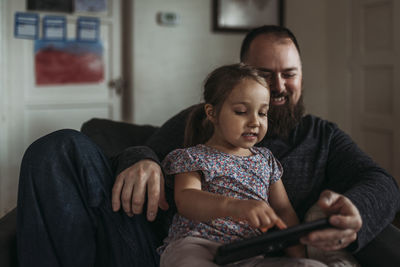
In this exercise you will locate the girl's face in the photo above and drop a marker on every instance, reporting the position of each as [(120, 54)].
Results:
[(242, 121)]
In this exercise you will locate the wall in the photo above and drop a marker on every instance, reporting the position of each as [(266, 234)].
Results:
[(9, 155), (170, 63), (3, 113), (323, 30), (338, 48), (307, 20)]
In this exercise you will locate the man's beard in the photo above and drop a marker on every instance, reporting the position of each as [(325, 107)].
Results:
[(283, 119)]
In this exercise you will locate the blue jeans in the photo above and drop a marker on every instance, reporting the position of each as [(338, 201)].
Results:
[(64, 213)]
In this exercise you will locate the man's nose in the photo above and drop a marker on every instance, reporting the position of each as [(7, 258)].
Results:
[(277, 84)]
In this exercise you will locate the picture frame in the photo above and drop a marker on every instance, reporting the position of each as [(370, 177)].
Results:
[(65, 6), (244, 15)]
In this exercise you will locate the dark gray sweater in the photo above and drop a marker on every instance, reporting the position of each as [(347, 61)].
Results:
[(317, 156)]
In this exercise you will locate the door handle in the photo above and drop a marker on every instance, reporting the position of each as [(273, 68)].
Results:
[(117, 84)]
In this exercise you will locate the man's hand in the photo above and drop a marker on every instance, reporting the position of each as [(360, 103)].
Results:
[(344, 216), (131, 185)]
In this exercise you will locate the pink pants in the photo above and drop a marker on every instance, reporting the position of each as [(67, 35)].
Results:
[(199, 252)]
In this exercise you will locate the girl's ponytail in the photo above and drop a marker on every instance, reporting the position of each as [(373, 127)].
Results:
[(198, 128)]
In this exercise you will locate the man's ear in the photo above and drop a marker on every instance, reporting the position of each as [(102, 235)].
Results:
[(210, 112)]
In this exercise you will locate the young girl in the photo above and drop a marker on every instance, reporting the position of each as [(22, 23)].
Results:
[(226, 189)]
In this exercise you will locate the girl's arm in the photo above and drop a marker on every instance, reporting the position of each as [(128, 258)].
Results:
[(198, 205), (280, 202), (195, 204)]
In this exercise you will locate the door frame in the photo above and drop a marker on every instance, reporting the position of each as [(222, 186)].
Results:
[(4, 107)]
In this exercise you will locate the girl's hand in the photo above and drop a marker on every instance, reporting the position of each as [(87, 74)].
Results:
[(257, 213)]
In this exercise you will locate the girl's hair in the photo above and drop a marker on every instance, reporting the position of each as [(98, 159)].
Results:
[(217, 87)]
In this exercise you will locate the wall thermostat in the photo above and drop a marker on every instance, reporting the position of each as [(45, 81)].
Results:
[(168, 18)]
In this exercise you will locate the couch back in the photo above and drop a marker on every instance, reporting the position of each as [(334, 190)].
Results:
[(113, 136)]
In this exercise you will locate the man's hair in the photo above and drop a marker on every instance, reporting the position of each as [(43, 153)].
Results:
[(274, 30)]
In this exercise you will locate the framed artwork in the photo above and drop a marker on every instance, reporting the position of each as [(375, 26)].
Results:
[(90, 5), (244, 15), (67, 6), (50, 5)]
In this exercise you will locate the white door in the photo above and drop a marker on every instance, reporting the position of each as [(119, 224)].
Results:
[(376, 80), (35, 110)]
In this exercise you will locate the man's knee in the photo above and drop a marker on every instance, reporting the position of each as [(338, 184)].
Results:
[(50, 152), (54, 144)]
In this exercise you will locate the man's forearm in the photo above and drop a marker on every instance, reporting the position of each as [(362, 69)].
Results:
[(130, 156), (371, 189), (377, 202)]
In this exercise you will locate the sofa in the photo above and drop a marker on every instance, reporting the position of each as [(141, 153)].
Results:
[(114, 137)]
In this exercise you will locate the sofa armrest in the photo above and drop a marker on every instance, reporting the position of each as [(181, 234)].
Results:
[(113, 136), (383, 250), (8, 241)]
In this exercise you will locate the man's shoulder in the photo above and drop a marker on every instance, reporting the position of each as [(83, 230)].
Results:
[(312, 126), (315, 121)]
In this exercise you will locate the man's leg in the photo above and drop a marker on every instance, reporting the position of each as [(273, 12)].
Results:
[(383, 250), (64, 195)]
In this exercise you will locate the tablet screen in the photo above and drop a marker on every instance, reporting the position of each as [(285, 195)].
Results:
[(267, 243)]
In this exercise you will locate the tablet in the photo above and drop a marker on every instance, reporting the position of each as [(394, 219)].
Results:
[(271, 241)]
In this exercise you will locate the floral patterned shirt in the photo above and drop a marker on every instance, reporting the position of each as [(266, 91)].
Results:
[(241, 177)]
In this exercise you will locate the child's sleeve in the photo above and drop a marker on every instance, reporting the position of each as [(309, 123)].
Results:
[(179, 161), (274, 167)]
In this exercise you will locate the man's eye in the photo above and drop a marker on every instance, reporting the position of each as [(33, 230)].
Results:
[(289, 75)]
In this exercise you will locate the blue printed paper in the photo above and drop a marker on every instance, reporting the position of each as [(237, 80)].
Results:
[(54, 28), (88, 29), (26, 25)]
